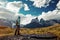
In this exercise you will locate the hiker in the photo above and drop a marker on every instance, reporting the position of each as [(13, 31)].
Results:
[(17, 26)]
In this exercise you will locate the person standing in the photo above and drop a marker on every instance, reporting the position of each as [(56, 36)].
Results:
[(17, 26)]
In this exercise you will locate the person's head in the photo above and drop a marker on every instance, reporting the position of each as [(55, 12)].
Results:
[(18, 17)]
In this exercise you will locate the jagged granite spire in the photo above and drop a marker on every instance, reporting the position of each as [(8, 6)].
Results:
[(35, 20)]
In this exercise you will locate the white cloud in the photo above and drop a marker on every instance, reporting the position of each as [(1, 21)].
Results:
[(8, 10), (25, 19), (58, 5), (50, 15), (55, 14), (11, 11), (4, 13), (26, 8), (3, 0), (14, 6), (41, 3), (3, 3)]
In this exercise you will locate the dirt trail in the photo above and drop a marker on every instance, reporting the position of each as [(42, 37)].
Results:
[(26, 37)]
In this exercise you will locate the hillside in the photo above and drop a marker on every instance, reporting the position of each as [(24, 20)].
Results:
[(55, 29), (4, 31)]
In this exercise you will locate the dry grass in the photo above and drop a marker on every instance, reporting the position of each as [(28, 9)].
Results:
[(55, 29), (6, 31)]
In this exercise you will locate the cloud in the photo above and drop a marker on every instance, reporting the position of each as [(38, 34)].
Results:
[(10, 9), (50, 15), (14, 6), (55, 14), (41, 3), (4, 13), (3, 0), (3, 3), (28, 19), (26, 8), (25, 19), (58, 5)]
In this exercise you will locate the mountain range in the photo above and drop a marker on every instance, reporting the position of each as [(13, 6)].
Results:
[(35, 23), (6, 22)]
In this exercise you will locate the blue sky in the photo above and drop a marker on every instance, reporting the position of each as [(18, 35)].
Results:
[(29, 9), (36, 10)]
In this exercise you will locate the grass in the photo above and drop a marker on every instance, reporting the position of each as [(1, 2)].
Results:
[(4, 31), (55, 29)]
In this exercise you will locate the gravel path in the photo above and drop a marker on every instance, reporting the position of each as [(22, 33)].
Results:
[(20, 37)]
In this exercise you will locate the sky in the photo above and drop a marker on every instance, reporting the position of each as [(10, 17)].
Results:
[(29, 9), (36, 7)]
